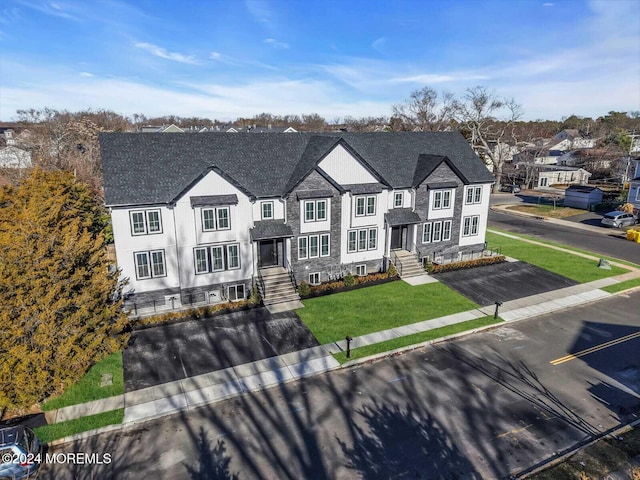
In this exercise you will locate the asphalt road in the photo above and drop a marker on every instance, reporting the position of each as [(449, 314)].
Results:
[(611, 244), (486, 406)]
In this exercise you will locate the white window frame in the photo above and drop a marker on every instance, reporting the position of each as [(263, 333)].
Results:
[(473, 195), (304, 240), (146, 222), (212, 262), (436, 232), (446, 230), (544, 181), (216, 218), (314, 278), (363, 205), (375, 238), (262, 210), (234, 288), (363, 239), (206, 260), (314, 217), (442, 199), (361, 270), (313, 238), (328, 244), (148, 256), (227, 263), (638, 194), (350, 241), (398, 196), (470, 226), (426, 233)]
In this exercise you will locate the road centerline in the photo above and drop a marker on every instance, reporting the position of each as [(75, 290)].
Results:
[(595, 348)]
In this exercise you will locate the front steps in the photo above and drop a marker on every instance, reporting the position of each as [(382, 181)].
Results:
[(277, 288), (408, 265)]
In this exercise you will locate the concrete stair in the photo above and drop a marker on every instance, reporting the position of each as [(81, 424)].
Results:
[(411, 266), (277, 286)]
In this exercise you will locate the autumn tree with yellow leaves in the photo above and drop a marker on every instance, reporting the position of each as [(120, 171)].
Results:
[(59, 311)]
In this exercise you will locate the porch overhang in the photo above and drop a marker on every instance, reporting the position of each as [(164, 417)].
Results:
[(401, 216), (270, 229)]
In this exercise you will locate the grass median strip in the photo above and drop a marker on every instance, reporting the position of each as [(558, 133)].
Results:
[(560, 245), (88, 388), (48, 433), (416, 338), (577, 268), (619, 287), (372, 309)]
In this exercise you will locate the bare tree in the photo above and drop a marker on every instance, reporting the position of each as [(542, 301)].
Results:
[(425, 110), (478, 113)]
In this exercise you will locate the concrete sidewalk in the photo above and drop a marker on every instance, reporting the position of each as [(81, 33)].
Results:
[(169, 398)]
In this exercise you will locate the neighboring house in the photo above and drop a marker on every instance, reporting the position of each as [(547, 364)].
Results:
[(548, 175), (580, 196), (573, 140), (259, 129), (634, 187), (12, 156), (203, 217), (161, 129)]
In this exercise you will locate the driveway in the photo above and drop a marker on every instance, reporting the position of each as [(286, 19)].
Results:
[(172, 352), (503, 282)]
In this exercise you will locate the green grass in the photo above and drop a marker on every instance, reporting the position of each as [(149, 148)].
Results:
[(619, 287), (571, 266), (416, 338), (560, 245), (547, 210), (88, 388), (47, 433), (371, 309)]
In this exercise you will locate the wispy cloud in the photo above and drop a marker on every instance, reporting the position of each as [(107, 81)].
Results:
[(215, 56), (162, 53), (54, 9), (548, 4), (379, 43), (261, 12), (276, 44), (86, 74)]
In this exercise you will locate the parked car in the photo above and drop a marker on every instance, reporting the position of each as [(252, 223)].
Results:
[(619, 219), (20, 451), (510, 188)]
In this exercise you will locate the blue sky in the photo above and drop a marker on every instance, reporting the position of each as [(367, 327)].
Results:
[(225, 59)]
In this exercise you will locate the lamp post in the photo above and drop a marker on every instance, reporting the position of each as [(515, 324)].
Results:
[(348, 339)]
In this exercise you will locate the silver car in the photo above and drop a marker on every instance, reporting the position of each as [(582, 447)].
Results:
[(20, 451), (619, 219)]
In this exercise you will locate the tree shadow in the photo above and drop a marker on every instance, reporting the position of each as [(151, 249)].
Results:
[(212, 462), (401, 442)]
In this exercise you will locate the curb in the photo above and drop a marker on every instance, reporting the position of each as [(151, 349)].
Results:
[(555, 460)]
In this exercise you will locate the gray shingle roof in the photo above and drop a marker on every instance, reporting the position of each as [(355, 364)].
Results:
[(401, 216), (214, 200), (314, 194), (362, 188), (145, 168), (267, 229)]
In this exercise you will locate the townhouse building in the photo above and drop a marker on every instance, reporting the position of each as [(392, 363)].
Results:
[(204, 218)]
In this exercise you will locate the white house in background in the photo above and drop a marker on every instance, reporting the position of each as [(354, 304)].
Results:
[(203, 218), (634, 187), (547, 175), (12, 156)]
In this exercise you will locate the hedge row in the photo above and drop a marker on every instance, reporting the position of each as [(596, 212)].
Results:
[(478, 262), (349, 282)]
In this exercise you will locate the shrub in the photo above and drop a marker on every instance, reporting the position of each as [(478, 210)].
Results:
[(254, 298), (349, 280), (626, 208), (304, 290), (478, 262), (392, 271), (193, 313)]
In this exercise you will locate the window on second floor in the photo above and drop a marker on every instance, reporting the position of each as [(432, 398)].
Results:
[(145, 222), (474, 195), (315, 210), (215, 219), (470, 226), (267, 210), (441, 199), (365, 206), (398, 199)]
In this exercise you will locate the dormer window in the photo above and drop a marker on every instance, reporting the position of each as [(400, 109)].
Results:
[(365, 206), (315, 210), (215, 219), (441, 199), (398, 199), (267, 210)]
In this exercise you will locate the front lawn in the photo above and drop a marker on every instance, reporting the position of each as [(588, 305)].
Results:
[(547, 210), (48, 433), (358, 312), (566, 264), (621, 286), (416, 338), (88, 388)]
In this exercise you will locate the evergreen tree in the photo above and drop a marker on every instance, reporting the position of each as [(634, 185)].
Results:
[(58, 314)]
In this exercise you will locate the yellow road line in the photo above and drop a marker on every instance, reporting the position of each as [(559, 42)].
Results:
[(595, 348)]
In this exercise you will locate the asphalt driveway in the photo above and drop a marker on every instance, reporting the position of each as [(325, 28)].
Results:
[(172, 352), (503, 282)]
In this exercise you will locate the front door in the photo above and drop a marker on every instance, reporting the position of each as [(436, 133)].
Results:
[(268, 253), (396, 238)]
